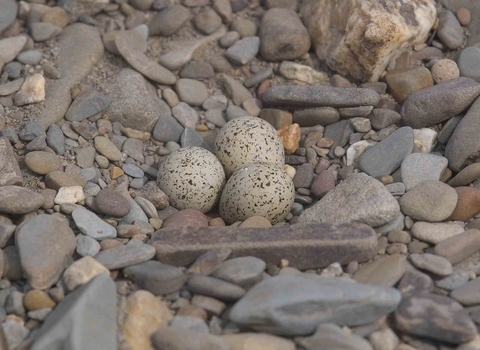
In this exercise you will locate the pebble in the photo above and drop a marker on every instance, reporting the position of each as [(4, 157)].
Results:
[(403, 82), (193, 70), (466, 176), (43, 31), (56, 139), (451, 322), (256, 222), (19, 200), (72, 195), (87, 104), (32, 91), (82, 271), (41, 265), (190, 91), (436, 104), (330, 336), (31, 57), (57, 179), (462, 144), (207, 21), (244, 271), (125, 255), (235, 90), (300, 72), (444, 70), (228, 39), (144, 315), (294, 41), (87, 246), (133, 102), (459, 247), (107, 148), (457, 279), (11, 47), (385, 271), (14, 333), (464, 16), (258, 77), (9, 10), (468, 63), (158, 278), (449, 31), (258, 341), (419, 167), (468, 204), (467, 294), (169, 20), (432, 263), (215, 102), (167, 129), (431, 201), (190, 323), (435, 232), (361, 304), (244, 50), (91, 225), (176, 338), (340, 205), (386, 156), (214, 288), (316, 116)]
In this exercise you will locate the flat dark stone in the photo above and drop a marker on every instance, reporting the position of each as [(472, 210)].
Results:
[(319, 96), (304, 246)]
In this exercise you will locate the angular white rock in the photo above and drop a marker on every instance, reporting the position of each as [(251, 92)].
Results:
[(69, 195)]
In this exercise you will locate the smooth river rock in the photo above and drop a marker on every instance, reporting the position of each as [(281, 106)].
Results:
[(359, 198)]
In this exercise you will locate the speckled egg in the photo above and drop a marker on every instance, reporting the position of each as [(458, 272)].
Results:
[(192, 178), (247, 140), (257, 189)]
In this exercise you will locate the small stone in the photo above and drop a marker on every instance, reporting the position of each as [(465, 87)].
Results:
[(290, 136), (459, 247), (330, 336), (175, 338), (294, 42), (430, 201), (91, 225), (144, 315), (451, 323), (72, 195), (257, 341), (404, 82), (444, 70), (82, 271), (125, 255), (169, 20), (32, 91), (385, 271), (449, 30), (237, 92), (432, 263), (467, 294), (457, 279), (107, 148), (419, 167), (207, 21), (228, 39), (214, 288), (244, 50), (11, 47), (191, 91), (31, 57), (435, 232), (468, 204), (306, 74), (37, 300), (193, 70), (19, 200), (244, 271), (87, 246)]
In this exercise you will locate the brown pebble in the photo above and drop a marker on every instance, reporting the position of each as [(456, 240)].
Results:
[(468, 204), (464, 16), (109, 244), (116, 172), (397, 248), (216, 222), (397, 236), (192, 311), (263, 88), (417, 247)]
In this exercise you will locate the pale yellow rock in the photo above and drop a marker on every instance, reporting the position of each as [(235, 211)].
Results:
[(70, 195), (290, 170), (360, 38), (257, 341), (82, 271), (300, 72), (32, 91), (144, 315), (256, 222)]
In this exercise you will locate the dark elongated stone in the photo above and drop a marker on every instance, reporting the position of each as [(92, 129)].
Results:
[(319, 96), (304, 246)]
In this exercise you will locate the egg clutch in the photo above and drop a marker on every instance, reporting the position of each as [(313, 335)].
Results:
[(245, 176)]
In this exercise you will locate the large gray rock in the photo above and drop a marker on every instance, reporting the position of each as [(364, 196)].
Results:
[(10, 173), (320, 96), (294, 305), (8, 13), (438, 103), (85, 319), (360, 38), (419, 167), (167, 129), (135, 103), (46, 244), (359, 198), (464, 145), (80, 49), (435, 317), (386, 156), (87, 104)]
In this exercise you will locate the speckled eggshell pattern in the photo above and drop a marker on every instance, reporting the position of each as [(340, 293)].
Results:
[(257, 189), (192, 178), (248, 140)]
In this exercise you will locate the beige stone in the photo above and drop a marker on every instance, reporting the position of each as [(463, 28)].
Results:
[(82, 271), (144, 315), (300, 72), (32, 91), (71, 194), (290, 136), (360, 38), (257, 341)]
